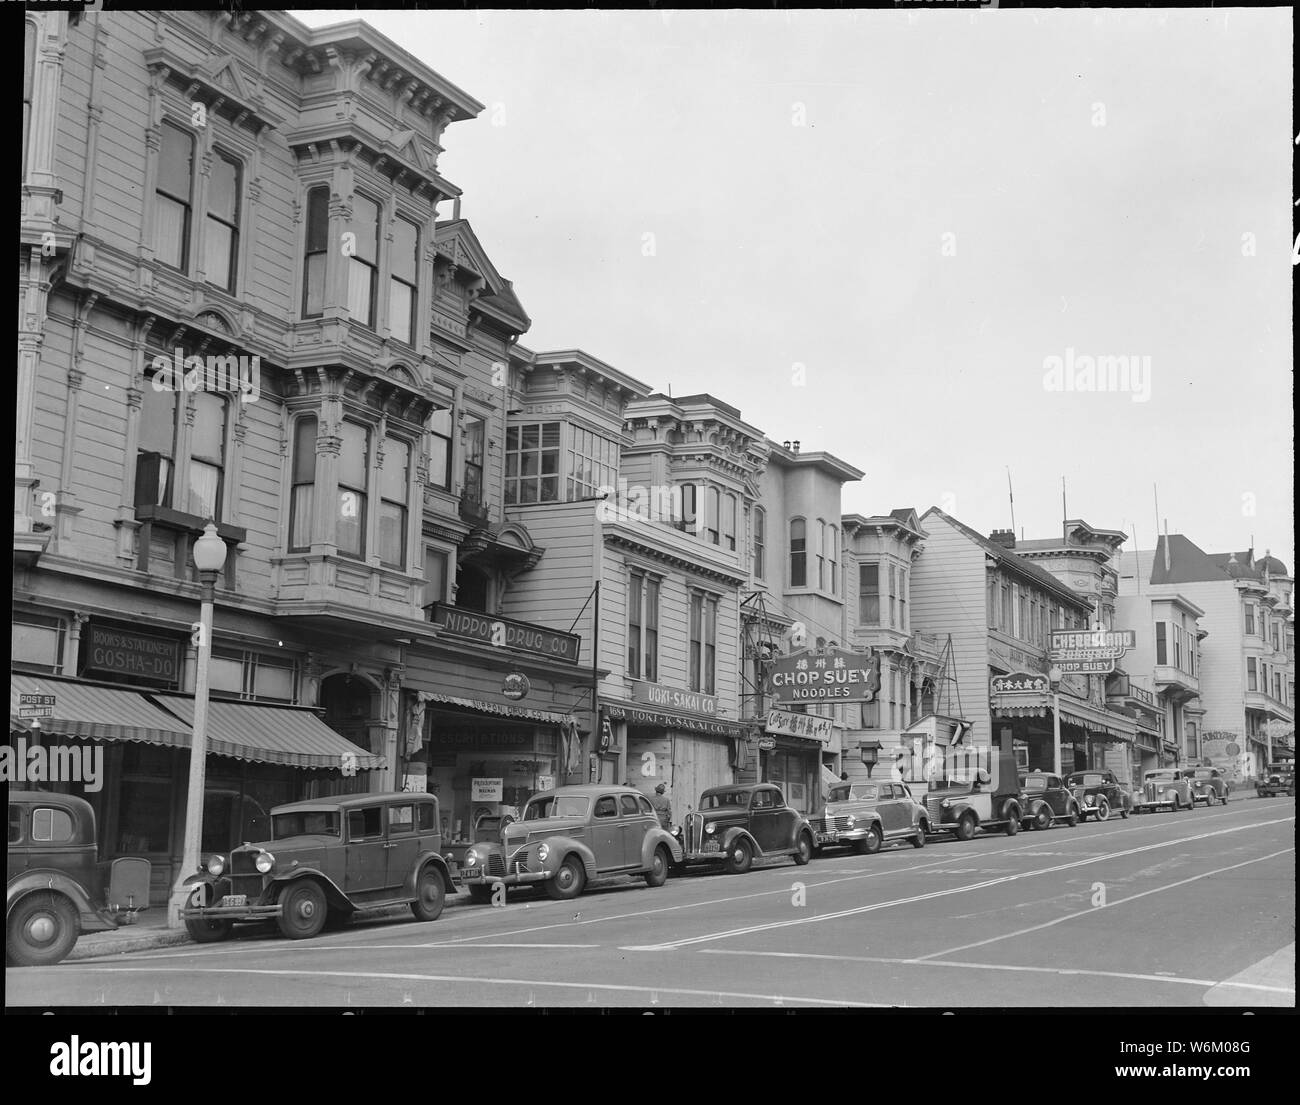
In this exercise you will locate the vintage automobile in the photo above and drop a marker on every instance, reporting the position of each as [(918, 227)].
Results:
[(1099, 794), (734, 825), (327, 859), (974, 794), (864, 815), (1164, 789), (1208, 785), (1280, 779), (1045, 799), (57, 886), (571, 835)]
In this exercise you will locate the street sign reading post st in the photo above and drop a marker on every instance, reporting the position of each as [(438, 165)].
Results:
[(35, 706)]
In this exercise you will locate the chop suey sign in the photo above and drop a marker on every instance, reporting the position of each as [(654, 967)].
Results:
[(826, 675)]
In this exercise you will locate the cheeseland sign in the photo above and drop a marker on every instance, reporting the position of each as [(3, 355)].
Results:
[(824, 675)]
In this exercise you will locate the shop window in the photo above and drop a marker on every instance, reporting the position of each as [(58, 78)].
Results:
[(869, 594), (474, 437), (302, 484), (363, 263), (36, 643), (440, 449), (760, 543), (798, 553), (403, 280), (533, 463), (173, 198), (221, 232), (315, 252), (144, 815)]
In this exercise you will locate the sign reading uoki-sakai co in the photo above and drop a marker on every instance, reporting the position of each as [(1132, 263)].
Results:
[(828, 675)]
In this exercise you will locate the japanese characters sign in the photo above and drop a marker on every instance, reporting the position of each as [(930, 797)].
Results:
[(1019, 682), (800, 725)]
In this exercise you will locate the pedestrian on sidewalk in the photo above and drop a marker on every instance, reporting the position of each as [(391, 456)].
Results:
[(663, 807)]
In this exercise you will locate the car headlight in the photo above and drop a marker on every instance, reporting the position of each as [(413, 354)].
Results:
[(264, 863), (471, 860), (851, 821), (215, 865), (543, 850), (947, 803), (710, 828)]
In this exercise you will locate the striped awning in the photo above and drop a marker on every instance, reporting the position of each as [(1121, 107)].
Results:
[(272, 735), (87, 712), (1098, 721)]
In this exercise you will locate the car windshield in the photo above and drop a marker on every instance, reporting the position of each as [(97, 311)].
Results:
[(851, 792), (1281, 769), (723, 799), (1090, 779), (305, 823), (1033, 782), (1160, 776), (556, 805)]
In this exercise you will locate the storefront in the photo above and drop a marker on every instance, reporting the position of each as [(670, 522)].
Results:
[(138, 741), (791, 750)]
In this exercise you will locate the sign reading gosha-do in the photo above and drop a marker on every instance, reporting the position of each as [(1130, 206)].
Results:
[(824, 675)]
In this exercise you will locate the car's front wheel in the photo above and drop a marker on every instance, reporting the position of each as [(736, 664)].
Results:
[(918, 841), (302, 910), (966, 826), (739, 857), (868, 845), (803, 849), (41, 931), (659, 865), (1042, 817), (1013, 820), (1102, 809), (430, 895), (567, 882)]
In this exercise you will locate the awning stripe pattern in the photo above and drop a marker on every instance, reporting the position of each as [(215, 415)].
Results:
[(86, 712)]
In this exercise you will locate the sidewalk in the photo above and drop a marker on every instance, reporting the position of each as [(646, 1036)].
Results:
[(151, 931)]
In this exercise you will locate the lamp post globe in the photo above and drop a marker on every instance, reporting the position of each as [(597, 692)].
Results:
[(209, 550)]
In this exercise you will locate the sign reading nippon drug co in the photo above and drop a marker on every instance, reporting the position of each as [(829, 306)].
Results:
[(826, 675)]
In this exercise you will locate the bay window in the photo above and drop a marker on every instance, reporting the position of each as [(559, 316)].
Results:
[(833, 559), (821, 554), (394, 480), (711, 499), (317, 247), (729, 521), (474, 438), (155, 456), (402, 301), (353, 463), (440, 423), (363, 262), (435, 578), (221, 232), (533, 463), (302, 484), (760, 543), (207, 456), (173, 197), (798, 553), (869, 594)]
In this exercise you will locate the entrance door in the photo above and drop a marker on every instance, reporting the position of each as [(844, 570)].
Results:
[(607, 833)]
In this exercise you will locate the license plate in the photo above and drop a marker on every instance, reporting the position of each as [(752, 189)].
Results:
[(235, 899), (827, 838)]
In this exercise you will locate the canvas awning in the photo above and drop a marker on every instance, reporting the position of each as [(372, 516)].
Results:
[(87, 712)]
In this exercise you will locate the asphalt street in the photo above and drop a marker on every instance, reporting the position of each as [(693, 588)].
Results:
[(1162, 910)]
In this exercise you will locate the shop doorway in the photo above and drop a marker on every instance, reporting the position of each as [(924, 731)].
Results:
[(349, 703)]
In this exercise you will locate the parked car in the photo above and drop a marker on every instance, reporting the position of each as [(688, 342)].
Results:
[(1280, 779), (864, 815), (1164, 789), (1099, 794), (732, 826), (1045, 799), (571, 835), (1208, 785), (327, 858), (974, 798), (57, 886)]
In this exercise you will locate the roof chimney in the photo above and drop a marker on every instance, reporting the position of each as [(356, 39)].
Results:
[(1006, 538), (795, 447)]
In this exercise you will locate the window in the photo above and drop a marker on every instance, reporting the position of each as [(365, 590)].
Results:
[(869, 594), (1162, 649), (760, 543), (401, 819), (363, 264), (366, 823), (1252, 676), (643, 627), (29, 66), (1250, 618), (703, 647), (902, 598), (474, 438), (172, 198), (221, 234), (533, 463), (606, 807), (627, 802), (51, 826), (729, 521), (353, 464), (253, 675), (711, 498), (36, 643), (1033, 620), (690, 517), (833, 559), (1008, 625), (402, 283), (1022, 627), (394, 480), (798, 553), (207, 456), (435, 577), (302, 484), (893, 597), (821, 554), (440, 449), (1178, 647), (318, 228), (156, 449), (593, 464)]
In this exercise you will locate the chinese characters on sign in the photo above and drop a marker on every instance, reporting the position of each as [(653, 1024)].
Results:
[(800, 725), (1019, 682), (830, 675)]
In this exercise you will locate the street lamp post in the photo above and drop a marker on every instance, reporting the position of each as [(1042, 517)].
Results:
[(209, 559), (1054, 677)]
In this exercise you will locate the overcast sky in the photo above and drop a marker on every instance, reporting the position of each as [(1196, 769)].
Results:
[(873, 232)]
